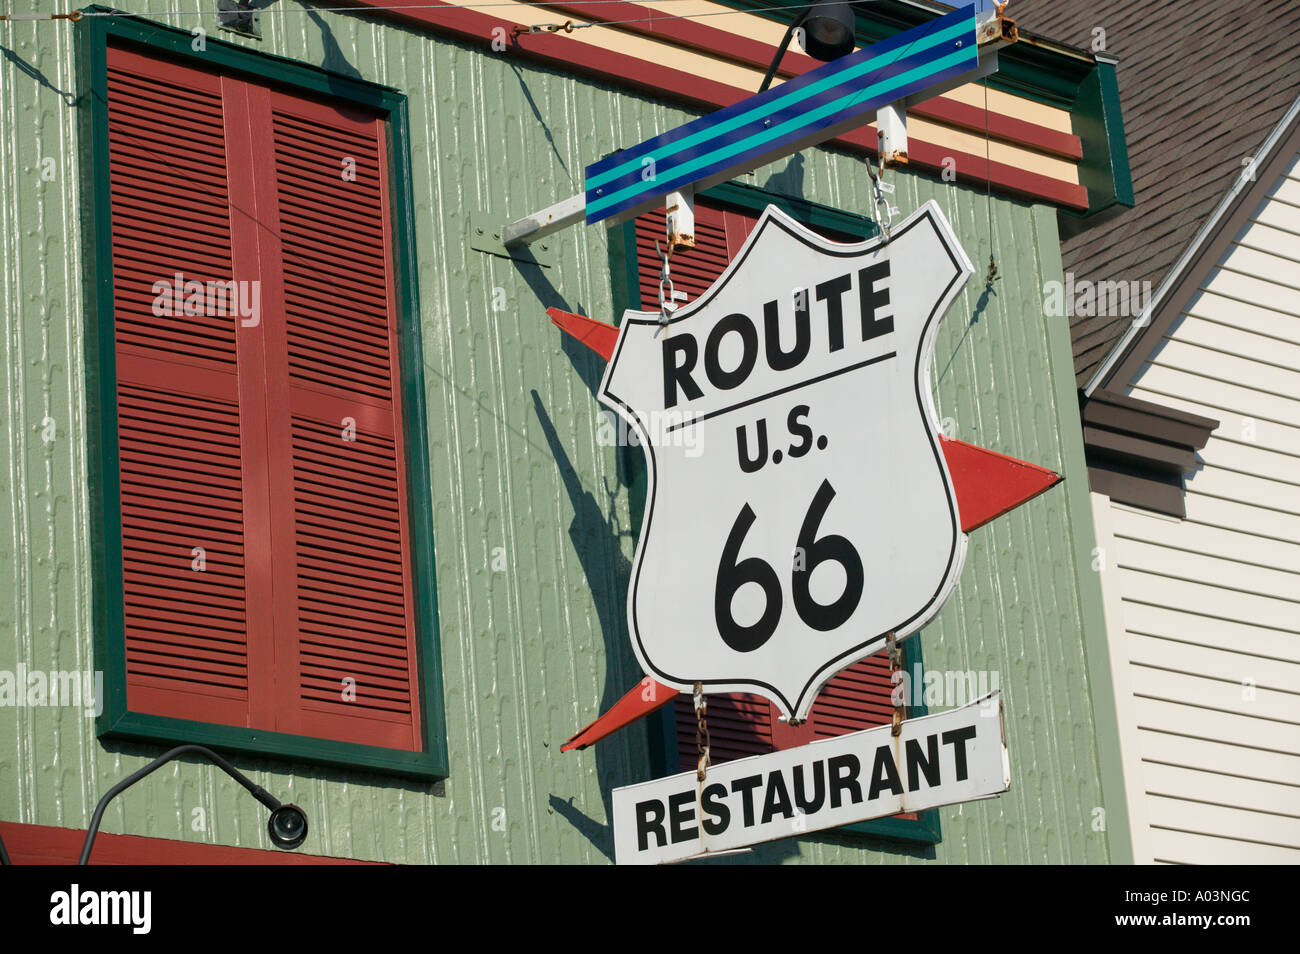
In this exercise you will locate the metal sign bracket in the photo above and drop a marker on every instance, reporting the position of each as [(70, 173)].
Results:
[(680, 222), (486, 234), (891, 127)]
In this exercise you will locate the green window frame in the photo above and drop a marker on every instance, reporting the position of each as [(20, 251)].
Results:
[(117, 722), (925, 829)]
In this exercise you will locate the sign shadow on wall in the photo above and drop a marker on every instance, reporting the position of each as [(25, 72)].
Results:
[(596, 540), (981, 306)]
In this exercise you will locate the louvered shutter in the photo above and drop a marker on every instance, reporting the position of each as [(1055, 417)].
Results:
[(337, 482), (741, 724), (181, 434), (857, 698), (275, 444)]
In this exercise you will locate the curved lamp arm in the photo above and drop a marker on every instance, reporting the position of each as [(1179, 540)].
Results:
[(261, 794), (785, 44)]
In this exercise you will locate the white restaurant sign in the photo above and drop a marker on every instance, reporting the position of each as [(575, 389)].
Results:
[(799, 507), (942, 759)]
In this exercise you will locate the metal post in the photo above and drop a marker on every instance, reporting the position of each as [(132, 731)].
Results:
[(681, 220), (571, 211), (891, 127)]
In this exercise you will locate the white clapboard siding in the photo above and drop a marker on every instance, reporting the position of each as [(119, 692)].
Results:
[(1172, 382), (1237, 761), (1160, 716), (1262, 828), (1287, 188), (1218, 512), (1206, 629), (1280, 216), (1281, 709), (1182, 848), (1266, 238), (1219, 571), (1251, 794), (1284, 211), (1240, 484), (1250, 458), (1259, 375), (1245, 315), (1274, 268), (1240, 342), (1241, 428), (1208, 660), (1231, 544), (1236, 667), (1212, 600), (1255, 289)]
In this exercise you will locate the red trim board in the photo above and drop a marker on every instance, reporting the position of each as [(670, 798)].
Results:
[(44, 845)]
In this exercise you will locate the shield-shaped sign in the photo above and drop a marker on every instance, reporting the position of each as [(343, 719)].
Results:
[(799, 506)]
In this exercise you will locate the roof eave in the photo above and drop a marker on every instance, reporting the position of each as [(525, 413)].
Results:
[(1200, 255)]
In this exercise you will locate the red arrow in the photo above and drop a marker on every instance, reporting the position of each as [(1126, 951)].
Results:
[(596, 335), (647, 696), (987, 484)]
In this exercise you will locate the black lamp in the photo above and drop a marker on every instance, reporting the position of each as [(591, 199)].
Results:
[(826, 31), (287, 825)]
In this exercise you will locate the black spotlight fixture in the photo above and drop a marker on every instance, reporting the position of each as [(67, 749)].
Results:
[(826, 32), (287, 825), (828, 29)]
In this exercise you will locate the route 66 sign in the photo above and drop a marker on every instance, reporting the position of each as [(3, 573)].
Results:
[(799, 506)]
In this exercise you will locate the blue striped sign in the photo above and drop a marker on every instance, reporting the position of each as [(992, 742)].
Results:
[(801, 112)]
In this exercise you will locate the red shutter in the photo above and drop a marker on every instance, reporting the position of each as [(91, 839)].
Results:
[(340, 504), (740, 724), (180, 434), (857, 698), (232, 435)]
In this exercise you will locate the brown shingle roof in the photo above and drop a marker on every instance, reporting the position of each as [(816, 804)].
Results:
[(1202, 83)]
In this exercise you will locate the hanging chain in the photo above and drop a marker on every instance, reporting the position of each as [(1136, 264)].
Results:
[(667, 299), (879, 189), (701, 733), (895, 663)]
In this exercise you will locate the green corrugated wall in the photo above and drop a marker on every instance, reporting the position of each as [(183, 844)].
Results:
[(534, 651)]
